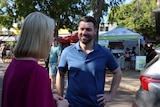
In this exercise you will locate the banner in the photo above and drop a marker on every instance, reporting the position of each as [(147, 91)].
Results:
[(140, 62)]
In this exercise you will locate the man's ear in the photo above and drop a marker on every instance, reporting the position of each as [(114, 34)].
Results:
[(95, 31)]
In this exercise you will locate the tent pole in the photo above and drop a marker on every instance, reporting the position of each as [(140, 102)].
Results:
[(139, 46)]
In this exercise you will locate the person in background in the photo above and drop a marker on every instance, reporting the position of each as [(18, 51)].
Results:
[(26, 83), (54, 57), (11, 51), (46, 61), (150, 52), (86, 63), (1, 49), (4, 54), (127, 59), (133, 58)]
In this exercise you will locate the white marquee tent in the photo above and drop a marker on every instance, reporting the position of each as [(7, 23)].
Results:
[(9, 38), (119, 34)]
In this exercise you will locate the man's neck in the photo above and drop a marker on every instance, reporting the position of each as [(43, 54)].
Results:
[(87, 47)]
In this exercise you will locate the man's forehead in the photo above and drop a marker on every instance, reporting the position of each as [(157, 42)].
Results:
[(86, 24)]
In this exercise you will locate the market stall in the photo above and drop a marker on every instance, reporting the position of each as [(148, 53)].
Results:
[(68, 40), (119, 34), (119, 39)]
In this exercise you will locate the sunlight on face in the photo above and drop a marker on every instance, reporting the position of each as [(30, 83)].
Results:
[(86, 32)]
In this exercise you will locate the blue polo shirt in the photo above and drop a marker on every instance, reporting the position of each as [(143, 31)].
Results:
[(86, 73)]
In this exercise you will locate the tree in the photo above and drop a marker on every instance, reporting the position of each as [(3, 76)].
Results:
[(137, 16), (6, 19), (65, 12), (100, 8)]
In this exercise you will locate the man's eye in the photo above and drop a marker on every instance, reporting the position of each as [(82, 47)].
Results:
[(88, 29)]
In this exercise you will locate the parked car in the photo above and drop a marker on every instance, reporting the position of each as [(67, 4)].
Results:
[(148, 94)]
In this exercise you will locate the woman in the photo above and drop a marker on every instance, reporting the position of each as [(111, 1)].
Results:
[(133, 58), (1, 49), (127, 58), (26, 83)]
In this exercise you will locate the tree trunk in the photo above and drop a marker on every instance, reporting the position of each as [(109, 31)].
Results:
[(97, 7), (56, 29), (157, 16)]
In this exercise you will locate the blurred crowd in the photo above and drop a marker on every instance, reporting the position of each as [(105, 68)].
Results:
[(6, 52)]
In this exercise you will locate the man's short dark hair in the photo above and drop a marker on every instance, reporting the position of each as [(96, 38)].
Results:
[(89, 19)]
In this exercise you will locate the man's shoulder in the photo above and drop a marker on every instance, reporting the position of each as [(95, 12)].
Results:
[(102, 48), (70, 47)]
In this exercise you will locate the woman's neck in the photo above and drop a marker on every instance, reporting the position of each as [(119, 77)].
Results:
[(27, 58)]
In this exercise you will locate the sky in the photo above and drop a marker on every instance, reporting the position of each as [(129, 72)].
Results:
[(127, 1)]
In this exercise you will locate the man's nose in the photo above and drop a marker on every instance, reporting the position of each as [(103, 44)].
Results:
[(84, 31)]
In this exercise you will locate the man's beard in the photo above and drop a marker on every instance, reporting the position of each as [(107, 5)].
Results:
[(86, 41)]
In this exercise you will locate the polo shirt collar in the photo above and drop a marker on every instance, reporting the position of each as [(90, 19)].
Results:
[(95, 48)]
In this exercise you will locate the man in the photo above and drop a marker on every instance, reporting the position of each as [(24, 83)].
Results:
[(86, 63), (54, 57)]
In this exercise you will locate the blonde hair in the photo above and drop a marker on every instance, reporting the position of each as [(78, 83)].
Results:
[(35, 36)]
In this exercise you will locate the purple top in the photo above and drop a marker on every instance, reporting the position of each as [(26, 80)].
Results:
[(26, 84)]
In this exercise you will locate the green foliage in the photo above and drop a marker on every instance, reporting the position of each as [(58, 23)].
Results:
[(65, 12), (6, 21), (137, 15), (6, 18)]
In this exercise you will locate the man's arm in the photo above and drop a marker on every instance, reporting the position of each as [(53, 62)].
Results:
[(59, 58), (115, 81), (108, 96), (60, 82)]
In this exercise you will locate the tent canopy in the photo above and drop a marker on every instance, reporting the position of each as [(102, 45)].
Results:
[(9, 38), (119, 33), (73, 38)]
